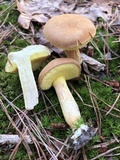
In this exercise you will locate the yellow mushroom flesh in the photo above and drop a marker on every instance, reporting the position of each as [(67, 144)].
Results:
[(24, 62)]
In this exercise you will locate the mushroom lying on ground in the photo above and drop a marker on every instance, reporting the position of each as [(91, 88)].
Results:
[(23, 62), (69, 32), (55, 74)]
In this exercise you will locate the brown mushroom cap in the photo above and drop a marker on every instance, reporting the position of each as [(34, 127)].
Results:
[(69, 31), (59, 67)]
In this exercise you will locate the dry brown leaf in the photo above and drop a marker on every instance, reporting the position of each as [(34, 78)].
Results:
[(42, 10), (113, 83), (92, 63), (58, 126)]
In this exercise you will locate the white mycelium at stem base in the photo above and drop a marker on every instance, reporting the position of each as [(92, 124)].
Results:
[(68, 104)]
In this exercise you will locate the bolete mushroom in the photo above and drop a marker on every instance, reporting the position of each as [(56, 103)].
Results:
[(69, 32), (55, 74), (23, 62)]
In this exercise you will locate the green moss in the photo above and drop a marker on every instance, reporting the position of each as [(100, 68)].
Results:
[(17, 45), (8, 8), (20, 43), (92, 153), (3, 7), (12, 19), (79, 123), (3, 60), (20, 155), (111, 126), (100, 43), (8, 84)]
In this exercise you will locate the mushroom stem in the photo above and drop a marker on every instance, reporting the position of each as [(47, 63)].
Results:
[(27, 80), (82, 134), (55, 74), (75, 54), (68, 104)]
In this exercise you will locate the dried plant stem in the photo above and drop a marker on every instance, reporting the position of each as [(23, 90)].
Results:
[(20, 33), (95, 105), (112, 141), (6, 10), (4, 20), (5, 34), (116, 109), (50, 103), (6, 112), (105, 153), (32, 130), (84, 154), (114, 104), (19, 132), (79, 96), (108, 47), (13, 139)]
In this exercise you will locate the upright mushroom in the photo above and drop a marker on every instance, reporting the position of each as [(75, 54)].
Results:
[(23, 62), (55, 74), (69, 32)]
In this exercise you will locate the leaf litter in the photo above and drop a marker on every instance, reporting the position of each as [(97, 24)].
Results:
[(40, 11)]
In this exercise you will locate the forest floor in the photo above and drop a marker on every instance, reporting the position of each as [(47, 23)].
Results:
[(97, 92)]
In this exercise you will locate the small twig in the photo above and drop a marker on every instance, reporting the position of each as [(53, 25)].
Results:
[(32, 129), (79, 96), (106, 103), (19, 32), (45, 103), (114, 104), (95, 105), (93, 63), (12, 155), (113, 155), (116, 116), (105, 153), (117, 140), (94, 78), (6, 112), (13, 139), (5, 34), (60, 150), (84, 154), (4, 20), (52, 106), (6, 10), (96, 47), (108, 45), (112, 141), (14, 125)]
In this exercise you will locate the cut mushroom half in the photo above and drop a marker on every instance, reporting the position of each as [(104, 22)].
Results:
[(23, 62), (69, 32), (55, 74)]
